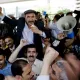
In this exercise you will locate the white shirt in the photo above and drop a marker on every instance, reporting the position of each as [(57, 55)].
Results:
[(27, 34), (54, 30), (37, 66), (43, 77)]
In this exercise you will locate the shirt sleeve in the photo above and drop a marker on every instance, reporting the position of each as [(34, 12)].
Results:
[(43, 77), (52, 25)]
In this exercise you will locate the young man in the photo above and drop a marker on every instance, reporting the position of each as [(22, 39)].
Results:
[(5, 67), (30, 54), (10, 43), (21, 70)]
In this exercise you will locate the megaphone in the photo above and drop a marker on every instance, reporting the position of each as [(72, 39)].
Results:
[(66, 24)]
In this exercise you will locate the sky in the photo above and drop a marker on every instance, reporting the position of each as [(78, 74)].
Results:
[(45, 5)]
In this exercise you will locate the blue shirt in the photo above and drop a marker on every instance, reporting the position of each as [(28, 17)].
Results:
[(7, 70)]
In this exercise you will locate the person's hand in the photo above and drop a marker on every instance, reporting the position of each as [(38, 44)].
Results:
[(35, 30), (50, 55), (23, 42), (61, 36)]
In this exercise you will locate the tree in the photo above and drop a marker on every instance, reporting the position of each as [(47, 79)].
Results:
[(63, 11)]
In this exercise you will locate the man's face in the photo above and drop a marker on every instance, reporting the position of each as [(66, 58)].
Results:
[(2, 61), (31, 54), (9, 42), (39, 16), (30, 18)]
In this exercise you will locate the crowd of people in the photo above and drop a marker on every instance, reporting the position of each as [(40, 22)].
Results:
[(35, 48)]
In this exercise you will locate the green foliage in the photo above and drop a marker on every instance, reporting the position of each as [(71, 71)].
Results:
[(63, 11)]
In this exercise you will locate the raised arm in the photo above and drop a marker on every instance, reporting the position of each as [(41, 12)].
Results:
[(17, 50), (8, 20), (50, 56)]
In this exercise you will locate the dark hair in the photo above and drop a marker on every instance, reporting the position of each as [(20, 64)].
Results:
[(68, 51), (29, 46), (46, 16), (57, 17), (2, 37), (37, 13), (8, 36), (17, 67), (69, 13), (30, 11), (2, 52)]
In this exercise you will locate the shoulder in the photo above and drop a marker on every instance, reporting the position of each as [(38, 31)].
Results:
[(9, 78), (38, 62), (8, 65), (21, 18)]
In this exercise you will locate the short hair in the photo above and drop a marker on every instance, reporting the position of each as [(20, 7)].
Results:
[(30, 11), (8, 36), (68, 51), (57, 17), (69, 13), (30, 46), (17, 67)]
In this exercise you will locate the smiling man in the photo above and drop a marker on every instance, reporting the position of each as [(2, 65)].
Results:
[(30, 53), (5, 67)]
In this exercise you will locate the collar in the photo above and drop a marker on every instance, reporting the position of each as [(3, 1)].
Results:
[(26, 28), (26, 25), (35, 62)]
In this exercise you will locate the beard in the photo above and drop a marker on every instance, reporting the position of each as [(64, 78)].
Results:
[(29, 23)]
